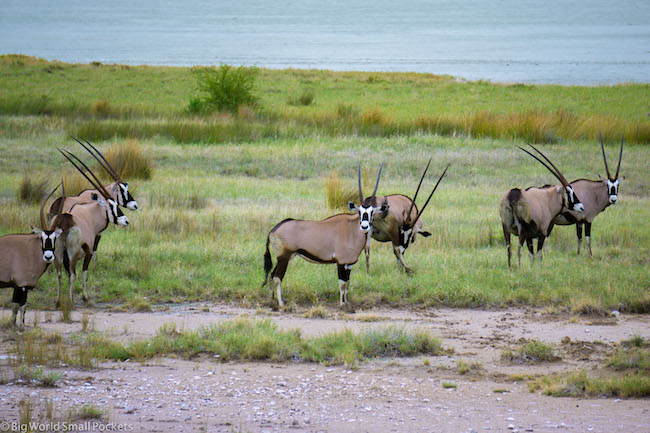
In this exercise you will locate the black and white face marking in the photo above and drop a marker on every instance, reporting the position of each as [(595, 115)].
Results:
[(125, 198), (572, 200), (48, 242), (612, 189), (113, 211), (366, 215)]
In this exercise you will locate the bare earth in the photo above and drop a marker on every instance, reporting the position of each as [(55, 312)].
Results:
[(391, 395)]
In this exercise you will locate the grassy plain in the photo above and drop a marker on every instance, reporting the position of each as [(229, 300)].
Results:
[(206, 212)]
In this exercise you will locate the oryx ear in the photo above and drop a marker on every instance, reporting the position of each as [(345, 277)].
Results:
[(384, 207), (352, 206), (621, 178), (57, 233), (559, 188), (601, 178), (35, 230), (425, 234), (115, 188)]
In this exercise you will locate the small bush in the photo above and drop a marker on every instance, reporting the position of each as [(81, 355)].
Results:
[(101, 108), (532, 352), (224, 88), (130, 161), (32, 190), (337, 193), (306, 98)]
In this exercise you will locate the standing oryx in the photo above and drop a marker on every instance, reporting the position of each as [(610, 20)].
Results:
[(596, 195), (338, 239), (24, 258), (529, 214), (84, 222), (401, 223), (118, 190)]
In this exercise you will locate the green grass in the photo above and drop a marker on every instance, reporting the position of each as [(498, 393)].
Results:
[(97, 101), (532, 352), (240, 339), (204, 215)]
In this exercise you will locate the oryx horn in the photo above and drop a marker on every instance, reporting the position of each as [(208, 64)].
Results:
[(554, 171), (620, 155), (360, 192), (374, 193), (604, 157), (43, 225), (103, 161), (408, 215), (431, 195), (96, 183)]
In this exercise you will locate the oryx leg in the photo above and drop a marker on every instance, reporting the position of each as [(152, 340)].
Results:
[(344, 282), (540, 245), (84, 273), (57, 264), (398, 250), (588, 237), (71, 270), (579, 233), (531, 250), (366, 249), (506, 236), (521, 244), (20, 301), (95, 244), (276, 278)]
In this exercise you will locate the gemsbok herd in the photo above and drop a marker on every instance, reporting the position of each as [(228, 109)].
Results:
[(74, 226)]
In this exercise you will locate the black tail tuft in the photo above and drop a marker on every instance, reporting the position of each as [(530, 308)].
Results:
[(268, 264), (66, 262)]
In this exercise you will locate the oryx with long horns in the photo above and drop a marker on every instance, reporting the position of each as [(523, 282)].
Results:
[(118, 190), (85, 222), (530, 213), (596, 196), (24, 258), (338, 239), (401, 223)]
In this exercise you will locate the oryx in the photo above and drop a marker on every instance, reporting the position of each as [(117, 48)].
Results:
[(24, 258), (84, 221), (529, 213), (118, 190), (338, 239), (401, 224), (596, 196)]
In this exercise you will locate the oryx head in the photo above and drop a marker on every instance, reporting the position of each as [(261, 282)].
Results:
[(49, 235), (120, 188), (408, 232), (569, 198), (113, 212), (612, 182), (368, 206)]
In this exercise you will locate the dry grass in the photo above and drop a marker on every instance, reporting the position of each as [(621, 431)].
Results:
[(338, 192), (130, 160)]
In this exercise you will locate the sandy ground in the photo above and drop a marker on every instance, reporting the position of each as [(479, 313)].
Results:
[(388, 395)]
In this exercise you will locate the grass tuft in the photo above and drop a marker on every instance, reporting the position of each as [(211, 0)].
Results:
[(532, 352), (130, 160)]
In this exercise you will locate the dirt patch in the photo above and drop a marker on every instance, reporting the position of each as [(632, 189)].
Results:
[(404, 394)]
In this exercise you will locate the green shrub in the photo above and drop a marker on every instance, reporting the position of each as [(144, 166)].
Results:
[(224, 88)]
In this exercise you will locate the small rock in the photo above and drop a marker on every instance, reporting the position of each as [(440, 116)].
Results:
[(511, 426), (616, 313)]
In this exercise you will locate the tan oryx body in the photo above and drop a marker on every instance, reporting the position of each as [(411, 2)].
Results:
[(596, 196), (83, 223), (117, 190), (338, 239), (400, 224), (530, 213), (23, 260)]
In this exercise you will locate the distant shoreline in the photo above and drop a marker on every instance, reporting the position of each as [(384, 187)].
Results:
[(352, 70)]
